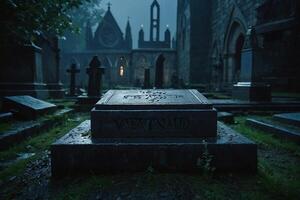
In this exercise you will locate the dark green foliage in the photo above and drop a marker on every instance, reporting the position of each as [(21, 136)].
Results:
[(26, 20)]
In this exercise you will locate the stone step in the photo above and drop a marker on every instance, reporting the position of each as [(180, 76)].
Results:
[(78, 153), (279, 131), (288, 118), (28, 129), (5, 117)]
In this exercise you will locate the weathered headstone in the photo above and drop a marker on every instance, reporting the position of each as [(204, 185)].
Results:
[(73, 71), (153, 113), (159, 72), (95, 72), (27, 107), (22, 72), (147, 78), (251, 86)]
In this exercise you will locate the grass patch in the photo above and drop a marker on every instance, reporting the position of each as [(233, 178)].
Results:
[(281, 184), (79, 188), (263, 138), (36, 145), (278, 162)]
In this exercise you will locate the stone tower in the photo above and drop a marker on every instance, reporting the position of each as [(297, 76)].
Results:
[(154, 41), (128, 36)]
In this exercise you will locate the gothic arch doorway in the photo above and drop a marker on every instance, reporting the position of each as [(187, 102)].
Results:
[(238, 55), (233, 48)]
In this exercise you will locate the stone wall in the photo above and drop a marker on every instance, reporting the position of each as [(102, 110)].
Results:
[(134, 63), (211, 36), (146, 58)]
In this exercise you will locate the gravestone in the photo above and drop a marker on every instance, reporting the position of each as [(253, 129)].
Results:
[(73, 71), (147, 78), (22, 72), (27, 107), (159, 72), (251, 86), (153, 113), (169, 130), (95, 72)]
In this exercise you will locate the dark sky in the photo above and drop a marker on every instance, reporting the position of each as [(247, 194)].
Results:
[(139, 13)]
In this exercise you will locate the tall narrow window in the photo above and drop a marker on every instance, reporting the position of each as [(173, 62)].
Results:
[(121, 71)]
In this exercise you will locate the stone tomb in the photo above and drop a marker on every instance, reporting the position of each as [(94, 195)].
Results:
[(27, 107), (153, 113), (166, 129)]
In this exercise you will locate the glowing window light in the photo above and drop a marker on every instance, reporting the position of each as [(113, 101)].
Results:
[(121, 71)]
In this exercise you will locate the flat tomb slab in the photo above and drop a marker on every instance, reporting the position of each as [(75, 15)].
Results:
[(153, 113), (27, 107), (77, 153), (289, 118), (152, 99)]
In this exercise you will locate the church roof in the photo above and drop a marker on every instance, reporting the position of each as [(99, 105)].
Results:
[(109, 19)]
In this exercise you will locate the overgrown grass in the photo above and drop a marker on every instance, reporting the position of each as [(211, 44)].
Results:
[(35, 145), (279, 172), (263, 138), (79, 188)]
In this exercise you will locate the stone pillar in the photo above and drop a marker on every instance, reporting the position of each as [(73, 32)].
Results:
[(251, 86), (50, 62)]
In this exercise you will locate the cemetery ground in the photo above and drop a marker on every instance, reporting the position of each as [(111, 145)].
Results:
[(25, 172)]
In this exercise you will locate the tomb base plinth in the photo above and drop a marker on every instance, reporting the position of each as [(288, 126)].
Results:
[(251, 92), (78, 153)]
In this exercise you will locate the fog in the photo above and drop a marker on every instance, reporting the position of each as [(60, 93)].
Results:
[(139, 13)]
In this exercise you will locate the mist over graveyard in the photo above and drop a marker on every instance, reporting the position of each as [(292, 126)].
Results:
[(149, 99)]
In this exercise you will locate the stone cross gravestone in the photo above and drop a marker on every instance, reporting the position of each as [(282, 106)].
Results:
[(153, 113), (147, 78), (27, 107), (95, 72), (159, 72), (73, 71)]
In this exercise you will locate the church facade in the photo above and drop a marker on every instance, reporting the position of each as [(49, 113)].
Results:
[(124, 66), (211, 36)]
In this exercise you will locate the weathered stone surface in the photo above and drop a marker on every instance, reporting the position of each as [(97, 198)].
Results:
[(252, 92), (153, 113), (77, 153), (27, 107), (279, 131), (153, 99), (154, 123), (226, 117), (4, 117), (289, 118), (25, 129)]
